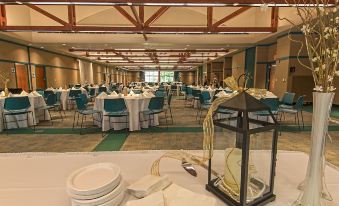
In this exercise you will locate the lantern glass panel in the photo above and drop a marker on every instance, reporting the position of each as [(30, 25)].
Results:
[(226, 161), (260, 164)]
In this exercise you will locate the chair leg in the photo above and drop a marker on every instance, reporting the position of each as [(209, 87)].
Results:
[(297, 115), (302, 119), (127, 127), (50, 117), (166, 119), (82, 121), (74, 119), (62, 118), (171, 115)]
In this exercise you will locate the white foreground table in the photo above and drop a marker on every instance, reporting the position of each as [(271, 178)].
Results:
[(39, 179)]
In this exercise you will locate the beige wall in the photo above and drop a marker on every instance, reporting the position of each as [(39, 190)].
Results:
[(13, 52), (238, 64), (6, 67), (188, 77), (98, 73)]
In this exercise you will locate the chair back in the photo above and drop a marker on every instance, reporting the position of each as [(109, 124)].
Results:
[(102, 89), (16, 103), (189, 90), (84, 98), (92, 92), (136, 91), (77, 86), (74, 93), (272, 103), (81, 105), (47, 93), (300, 102), (206, 95), (288, 98), (156, 103), (115, 105), (41, 92), (51, 99), (58, 96), (173, 87), (196, 92), (160, 93)]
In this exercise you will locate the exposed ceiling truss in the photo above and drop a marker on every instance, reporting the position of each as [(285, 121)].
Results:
[(138, 22), (146, 58)]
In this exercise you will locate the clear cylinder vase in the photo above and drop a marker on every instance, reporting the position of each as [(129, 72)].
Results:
[(314, 190)]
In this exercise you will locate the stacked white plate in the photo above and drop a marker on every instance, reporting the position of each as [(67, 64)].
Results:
[(96, 185)]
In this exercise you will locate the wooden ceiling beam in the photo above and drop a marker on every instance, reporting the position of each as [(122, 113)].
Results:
[(138, 30), (163, 2), (3, 19), (142, 14), (230, 16), (141, 24), (209, 17), (126, 15), (156, 15), (71, 16), (274, 18), (191, 51), (47, 14)]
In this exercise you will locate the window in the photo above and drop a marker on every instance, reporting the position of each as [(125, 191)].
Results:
[(166, 76), (151, 76)]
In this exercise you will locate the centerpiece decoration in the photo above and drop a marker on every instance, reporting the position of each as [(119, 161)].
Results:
[(319, 25), (235, 179), (4, 77)]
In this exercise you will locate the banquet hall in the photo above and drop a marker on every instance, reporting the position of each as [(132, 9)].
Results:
[(117, 84)]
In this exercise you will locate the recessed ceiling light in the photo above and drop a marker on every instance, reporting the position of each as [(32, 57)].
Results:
[(129, 3), (235, 4), (63, 44), (187, 45), (42, 47), (29, 44)]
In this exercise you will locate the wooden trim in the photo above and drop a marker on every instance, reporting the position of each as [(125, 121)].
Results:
[(3, 19), (274, 18), (142, 14), (45, 13), (230, 16), (71, 16), (209, 17), (156, 15), (126, 15), (137, 17)]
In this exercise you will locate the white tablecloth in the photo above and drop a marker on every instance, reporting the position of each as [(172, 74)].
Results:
[(34, 117), (29, 179), (135, 104)]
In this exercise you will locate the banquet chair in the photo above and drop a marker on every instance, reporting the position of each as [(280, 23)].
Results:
[(51, 103), (58, 101), (17, 106), (47, 93), (41, 92), (77, 86), (91, 94), (73, 94), (174, 88), (295, 110), (136, 91), (155, 106), (189, 95), (207, 97), (84, 111), (287, 100), (204, 105), (116, 108), (273, 104), (102, 89), (196, 95), (160, 93), (168, 106)]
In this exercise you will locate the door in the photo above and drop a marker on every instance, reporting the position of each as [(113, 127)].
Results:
[(40, 77), (22, 76)]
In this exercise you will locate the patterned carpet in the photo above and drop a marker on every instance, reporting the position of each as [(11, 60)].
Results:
[(185, 133)]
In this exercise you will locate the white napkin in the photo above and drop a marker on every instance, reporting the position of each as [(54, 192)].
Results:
[(178, 196), (60, 88), (221, 94), (35, 93), (31, 95), (131, 93), (146, 94), (114, 94), (155, 199), (2, 94), (220, 88), (148, 184), (102, 95), (23, 93)]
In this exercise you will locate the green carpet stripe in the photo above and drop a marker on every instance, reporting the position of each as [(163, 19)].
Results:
[(113, 142), (47, 131)]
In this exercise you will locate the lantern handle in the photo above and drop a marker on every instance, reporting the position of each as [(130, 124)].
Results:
[(246, 77)]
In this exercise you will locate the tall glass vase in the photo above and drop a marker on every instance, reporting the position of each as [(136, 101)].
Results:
[(314, 190)]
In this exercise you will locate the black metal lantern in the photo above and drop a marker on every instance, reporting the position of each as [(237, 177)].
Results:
[(246, 176)]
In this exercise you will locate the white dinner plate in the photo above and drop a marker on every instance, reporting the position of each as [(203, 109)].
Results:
[(114, 202), (103, 199), (94, 179)]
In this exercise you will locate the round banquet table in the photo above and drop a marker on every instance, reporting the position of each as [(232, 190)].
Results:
[(135, 104), (36, 114), (39, 179)]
